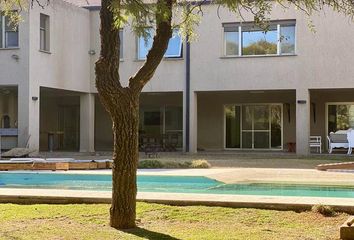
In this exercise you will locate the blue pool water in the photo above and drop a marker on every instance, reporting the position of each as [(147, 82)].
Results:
[(176, 184)]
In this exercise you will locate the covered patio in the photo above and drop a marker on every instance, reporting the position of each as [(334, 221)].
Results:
[(8, 117), (161, 123), (66, 120), (246, 120), (332, 110)]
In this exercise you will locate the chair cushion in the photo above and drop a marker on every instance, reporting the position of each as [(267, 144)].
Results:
[(338, 138)]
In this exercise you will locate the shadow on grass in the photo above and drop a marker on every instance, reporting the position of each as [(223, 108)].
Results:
[(147, 234)]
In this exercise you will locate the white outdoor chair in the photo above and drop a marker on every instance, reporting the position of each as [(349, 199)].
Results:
[(316, 142), (338, 139), (350, 136)]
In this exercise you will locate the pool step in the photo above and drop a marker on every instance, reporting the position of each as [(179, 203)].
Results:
[(341, 166)]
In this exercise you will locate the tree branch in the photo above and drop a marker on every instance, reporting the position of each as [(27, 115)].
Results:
[(110, 51), (159, 46)]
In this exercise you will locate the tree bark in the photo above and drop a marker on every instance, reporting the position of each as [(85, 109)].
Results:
[(125, 161), (122, 104)]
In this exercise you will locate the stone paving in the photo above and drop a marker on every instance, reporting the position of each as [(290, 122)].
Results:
[(247, 175), (229, 158)]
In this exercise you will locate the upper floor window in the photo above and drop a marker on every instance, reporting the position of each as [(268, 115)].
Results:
[(174, 49), (8, 33), (250, 40), (121, 43), (44, 33)]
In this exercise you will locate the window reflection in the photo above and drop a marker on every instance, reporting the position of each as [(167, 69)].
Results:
[(174, 49)]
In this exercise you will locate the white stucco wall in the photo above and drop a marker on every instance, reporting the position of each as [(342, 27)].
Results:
[(169, 76), (67, 66), (323, 59), (16, 73)]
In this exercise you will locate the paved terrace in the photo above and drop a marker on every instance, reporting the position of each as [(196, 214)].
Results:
[(242, 159), (250, 175)]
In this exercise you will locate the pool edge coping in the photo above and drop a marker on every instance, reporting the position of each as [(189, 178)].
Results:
[(29, 196)]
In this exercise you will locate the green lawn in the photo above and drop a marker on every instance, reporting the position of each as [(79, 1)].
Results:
[(164, 222)]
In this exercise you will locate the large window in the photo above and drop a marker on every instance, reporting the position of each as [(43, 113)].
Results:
[(340, 116), (250, 40), (44, 33), (8, 33), (174, 49)]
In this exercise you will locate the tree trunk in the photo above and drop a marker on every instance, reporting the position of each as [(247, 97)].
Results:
[(122, 104), (125, 161)]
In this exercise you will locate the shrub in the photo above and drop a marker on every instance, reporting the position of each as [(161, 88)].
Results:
[(324, 210), (150, 164), (153, 163), (200, 164)]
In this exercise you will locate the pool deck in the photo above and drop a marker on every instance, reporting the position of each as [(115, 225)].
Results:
[(227, 175)]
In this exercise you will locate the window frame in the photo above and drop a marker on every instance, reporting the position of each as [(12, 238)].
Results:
[(239, 25), (225, 45), (178, 56), (3, 33), (121, 38), (327, 104), (46, 30), (287, 24)]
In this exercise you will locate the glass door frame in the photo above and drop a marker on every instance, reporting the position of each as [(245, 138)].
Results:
[(254, 149), (326, 113), (162, 110)]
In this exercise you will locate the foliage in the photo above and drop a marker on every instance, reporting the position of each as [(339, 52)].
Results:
[(177, 164), (154, 164), (140, 14), (150, 164), (201, 163), (324, 210)]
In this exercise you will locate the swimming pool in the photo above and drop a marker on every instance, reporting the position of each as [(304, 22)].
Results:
[(174, 184)]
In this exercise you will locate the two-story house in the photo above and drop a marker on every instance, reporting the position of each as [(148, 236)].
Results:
[(235, 88)]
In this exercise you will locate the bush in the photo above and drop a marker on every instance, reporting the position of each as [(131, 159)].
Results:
[(324, 210), (150, 164), (153, 163), (200, 164)]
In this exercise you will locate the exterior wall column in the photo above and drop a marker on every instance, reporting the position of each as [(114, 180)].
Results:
[(193, 122), (87, 122), (28, 117), (302, 121)]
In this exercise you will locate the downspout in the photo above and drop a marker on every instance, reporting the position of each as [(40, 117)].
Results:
[(187, 91)]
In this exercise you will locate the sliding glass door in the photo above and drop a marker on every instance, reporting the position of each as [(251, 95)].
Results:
[(257, 126)]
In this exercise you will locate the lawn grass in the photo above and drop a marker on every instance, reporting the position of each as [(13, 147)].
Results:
[(164, 222)]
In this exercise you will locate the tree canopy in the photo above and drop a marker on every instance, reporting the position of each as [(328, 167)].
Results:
[(140, 14)]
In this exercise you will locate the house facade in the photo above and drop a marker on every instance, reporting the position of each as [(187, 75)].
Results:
[(235, 88)]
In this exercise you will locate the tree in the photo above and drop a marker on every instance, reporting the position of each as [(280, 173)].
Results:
[(122, 102)]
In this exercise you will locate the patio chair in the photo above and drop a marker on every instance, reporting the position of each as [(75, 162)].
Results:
[(338, 139), (151, 146), (316, 142), (170, 142)]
